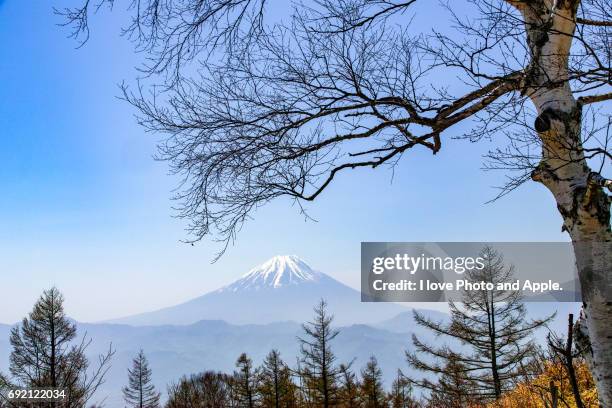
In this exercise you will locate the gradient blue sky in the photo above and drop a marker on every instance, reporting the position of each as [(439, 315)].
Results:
[(83, 205)]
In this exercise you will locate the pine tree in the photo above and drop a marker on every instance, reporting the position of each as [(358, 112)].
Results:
[(348, 393), (245, 382), (372, 392), (319, 370), (290, 397), (275, 387), (304, 393), (46, 355), (401, 392), (140, 393), (454, 387), (41, 345), (493, 326)]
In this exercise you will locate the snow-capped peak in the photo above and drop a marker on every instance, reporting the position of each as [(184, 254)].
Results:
[(279, 271)]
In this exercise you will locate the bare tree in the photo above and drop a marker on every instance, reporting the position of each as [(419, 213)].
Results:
[(275, 385), (492, 327), (45, 353), (246, 382), (453, 388), (5, 386), (401, 392), (318, 369), (207, 389), (140, 392), (256, 109), (372, 393), (348, 392), (567, 355)]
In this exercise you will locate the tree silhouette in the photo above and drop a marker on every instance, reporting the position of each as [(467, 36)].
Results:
[(454, 387), (208, 389), (275, 387), (492, 323), (245, 381), (372, 392), (140, 393), (348, 392), (318, 361), (563, 350), (401, 392), (46, 355)]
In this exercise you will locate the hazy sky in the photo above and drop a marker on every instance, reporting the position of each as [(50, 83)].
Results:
[(83, 205)]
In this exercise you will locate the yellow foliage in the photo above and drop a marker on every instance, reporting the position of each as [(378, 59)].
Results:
[(536, 393)]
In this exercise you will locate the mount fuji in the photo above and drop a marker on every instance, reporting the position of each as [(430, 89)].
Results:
[(285, 288)]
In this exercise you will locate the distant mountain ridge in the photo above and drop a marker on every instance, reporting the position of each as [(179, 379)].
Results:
[(284, 288), (174, 351)]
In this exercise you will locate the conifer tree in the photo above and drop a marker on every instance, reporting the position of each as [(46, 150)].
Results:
[(140, 393), (401, 392), (245, 381), (319, 370), (304, 393), (291, 395), (493, 326), (275, 387), (348, 393), (454, 387), (45, 353), (372, 392)]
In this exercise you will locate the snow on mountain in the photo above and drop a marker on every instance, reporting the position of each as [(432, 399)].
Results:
[(279, 271), (284, 288)]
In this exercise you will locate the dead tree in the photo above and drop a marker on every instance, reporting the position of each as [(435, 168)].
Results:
[(254, 109), (567, 354)]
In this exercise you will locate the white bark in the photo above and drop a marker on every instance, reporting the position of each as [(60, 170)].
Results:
[(583, 204), (594, 260)]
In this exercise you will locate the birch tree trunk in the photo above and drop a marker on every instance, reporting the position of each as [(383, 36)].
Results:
[(563, 169)]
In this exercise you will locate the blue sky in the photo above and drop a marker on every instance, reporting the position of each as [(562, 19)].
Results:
[(86, 208)]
